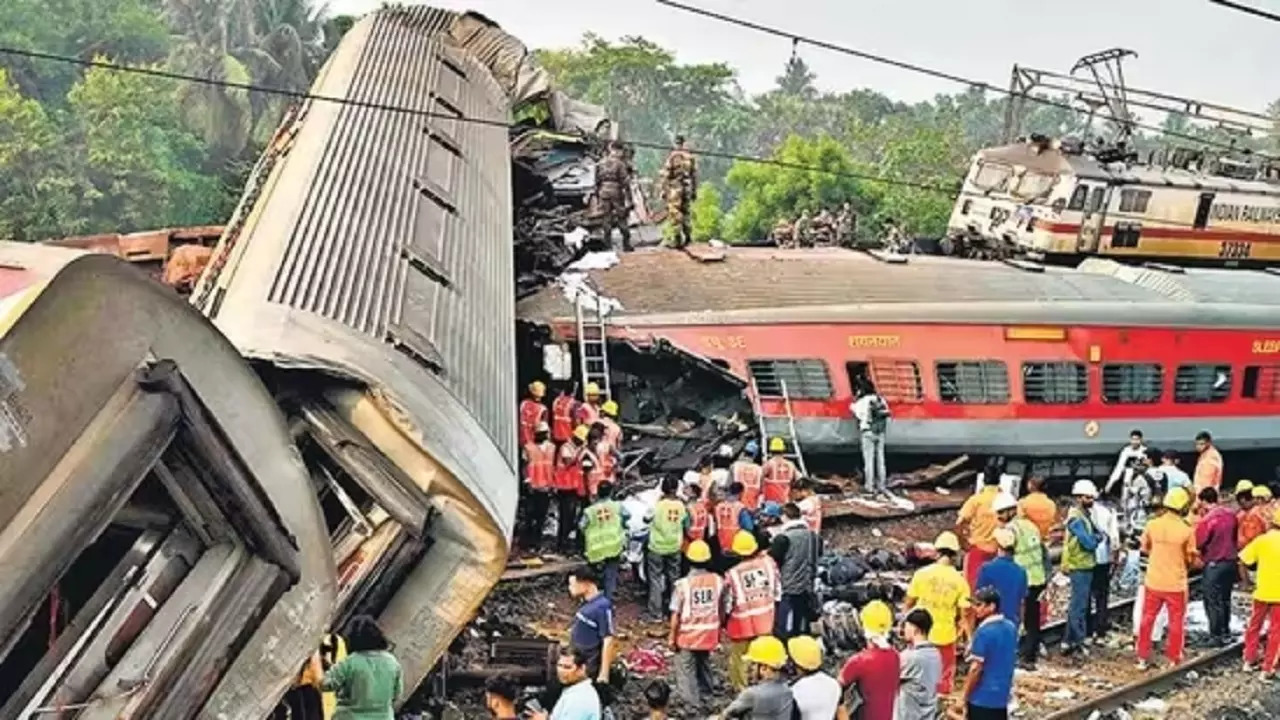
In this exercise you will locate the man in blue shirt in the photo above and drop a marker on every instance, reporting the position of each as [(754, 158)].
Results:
[(592, 629), (1005, 576), (992, 656)]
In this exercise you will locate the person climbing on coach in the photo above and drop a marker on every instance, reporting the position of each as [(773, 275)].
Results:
[(753, 587), (1170, 545), (697, 614), (746, 471), (778, 473), (533, 412), (669, 522), (940, 589), (978, 519), (604, 534)]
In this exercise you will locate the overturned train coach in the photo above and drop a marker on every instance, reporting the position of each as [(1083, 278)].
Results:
[(339, 440), (1051, 365)]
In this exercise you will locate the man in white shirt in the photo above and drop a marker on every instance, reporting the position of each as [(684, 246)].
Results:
[(1174, 476), (579, 699), (871, 412), (816, 693), (1129, 455), (1107, 556)]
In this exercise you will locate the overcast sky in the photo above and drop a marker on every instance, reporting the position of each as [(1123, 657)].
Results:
[(1185, 47)]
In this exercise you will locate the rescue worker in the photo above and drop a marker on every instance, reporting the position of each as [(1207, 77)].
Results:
[(563, 410), (940, 589), (754, 587), (667, 528), (731, 515), (539, 478), (601, 460), (1263, 552), (750, 475), (1079, 556), (697, 613), (810, 504), (604, 535), (1038, 507), (570, 486), (768, 698), (613, 182), (679, 183), (1106, 557), (699, 514), (588, 412), (979, 519), (1250, 522), (532, 412), (609, 419), (875, 670), (1030, 555), (778, 473), (796, 550), (817, 694), (1170, 545), (1208, 471)]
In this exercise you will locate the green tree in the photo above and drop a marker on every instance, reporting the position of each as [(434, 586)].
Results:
[(706, 214), (36, 199)]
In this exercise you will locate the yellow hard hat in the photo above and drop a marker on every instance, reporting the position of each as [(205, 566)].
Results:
[(609, 408), (805, 652), (766, 650), (1262, 492), (876, 618), (698, 551), (1177, 499), (776, 445), (947, 541), (581, 432), (591, 389), (1243, 486), (537, 389), (744, 544)]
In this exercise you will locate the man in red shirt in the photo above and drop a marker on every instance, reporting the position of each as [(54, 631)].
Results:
[(1216, 541), (875, 670)]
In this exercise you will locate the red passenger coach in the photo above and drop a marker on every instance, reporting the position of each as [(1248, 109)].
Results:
[(973, 356)]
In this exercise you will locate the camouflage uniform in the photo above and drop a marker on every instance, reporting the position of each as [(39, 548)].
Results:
[(613, 180), (784, 235), (895, 239), (823, 228), (679, 187), (804, 230), (846, 226)]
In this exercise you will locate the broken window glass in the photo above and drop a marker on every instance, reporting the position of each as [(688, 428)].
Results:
[(973, 382), (1202, 383), (1136, 383), (804, 379), (1055, 383)]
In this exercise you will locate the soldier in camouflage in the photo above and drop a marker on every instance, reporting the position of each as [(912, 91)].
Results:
[(804, 229), (846, 225), (613, 182), (784, 235), (680, 188)]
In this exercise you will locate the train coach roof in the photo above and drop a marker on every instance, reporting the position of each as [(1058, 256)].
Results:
[(767, 285)]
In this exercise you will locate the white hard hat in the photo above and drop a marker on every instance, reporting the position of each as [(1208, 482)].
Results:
[(1084, 487), (1004, 501)]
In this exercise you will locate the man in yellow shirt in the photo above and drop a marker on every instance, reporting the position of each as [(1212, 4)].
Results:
[(1170, 544), (979, 518), (942, 591), (1263, 551)]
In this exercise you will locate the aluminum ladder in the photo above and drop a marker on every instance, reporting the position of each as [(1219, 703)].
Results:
[(791, 438), (593, 345)]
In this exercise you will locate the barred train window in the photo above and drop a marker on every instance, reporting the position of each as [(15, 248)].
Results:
[(805, 379), (1261, 382), (973, 382), (1137, 383), (1055, 383), (898, 380), (1202, 383), (1134, 201)]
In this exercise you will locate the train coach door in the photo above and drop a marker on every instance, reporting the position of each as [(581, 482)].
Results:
[(1093, 219)]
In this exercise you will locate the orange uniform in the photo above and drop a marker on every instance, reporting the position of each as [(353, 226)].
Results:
[(569, 468), (751, 476), (1208, 470), (539, 469), (532, 414), (697, 598), (562, 418), (778, 474), (698, 519), (754, 587), (1041, 511), (727, 523)]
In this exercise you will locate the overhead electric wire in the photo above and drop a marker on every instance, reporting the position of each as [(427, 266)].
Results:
[(1259, 12), (932, 72), (385, 107)]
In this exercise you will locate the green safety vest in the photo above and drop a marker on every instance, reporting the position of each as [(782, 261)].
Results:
[(604, 534), (1075, 557), (1028, 551), (667, 529)]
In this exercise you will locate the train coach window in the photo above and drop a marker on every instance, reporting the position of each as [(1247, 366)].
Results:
[(973, 382), (1134, 201), (1095, 199), (896, 380), (1078, 196), (1055, 383), (1261, 382), (1132, 383), (1202, 383), (804, 379)]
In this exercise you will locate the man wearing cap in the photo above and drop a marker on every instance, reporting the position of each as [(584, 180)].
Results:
[(992, 658), (817, 694), (539, 479), (979, 519), (1106, 559), (754, 587), (1030, 555), (563, 410), (1170, 545), (940, 589), (570, 486), (769, 698), (588, 412), (1264, 553), (1005, 575), (778, 473), (1216, 543), (921, 670), (1254, 518), (612, 430), (532, 412), (874, 670), (1079, 555), (669, 522), (697, 613)]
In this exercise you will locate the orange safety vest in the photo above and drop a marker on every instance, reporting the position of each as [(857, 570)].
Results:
[(698, 599), (603, 470), (562, 418), (727, 513), (750, 475), (755, 585), (698, 517), (588, 414), (612, 432), (539, 469), (532, 414), (569, 468), (778, 474)]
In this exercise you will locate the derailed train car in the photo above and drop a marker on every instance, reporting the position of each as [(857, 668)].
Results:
[(162, 549), (368, 272)]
